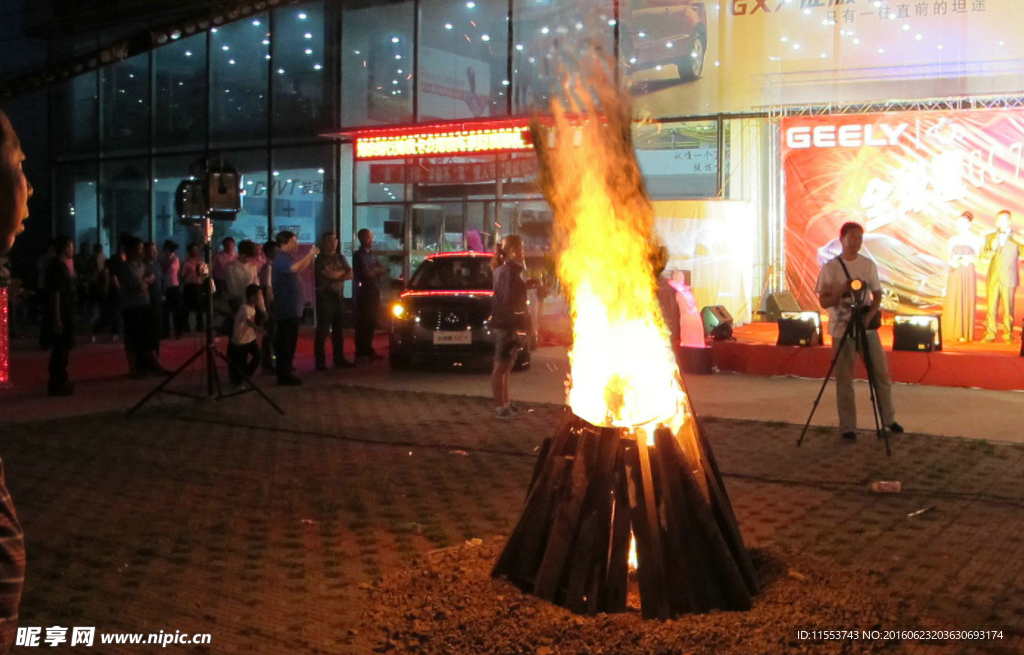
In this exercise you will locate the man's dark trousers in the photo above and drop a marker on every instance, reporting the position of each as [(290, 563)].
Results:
[(286, 339), (60, 351), (329, 310), (367, 308)]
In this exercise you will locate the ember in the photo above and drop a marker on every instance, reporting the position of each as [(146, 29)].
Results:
[(629, 456)]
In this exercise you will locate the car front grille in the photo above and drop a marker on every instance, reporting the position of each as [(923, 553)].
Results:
[(452, 319)]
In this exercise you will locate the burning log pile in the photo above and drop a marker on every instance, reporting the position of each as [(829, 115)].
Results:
[(629, 456), (595, 486)]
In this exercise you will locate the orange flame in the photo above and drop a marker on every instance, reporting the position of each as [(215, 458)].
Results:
[(623, 371)]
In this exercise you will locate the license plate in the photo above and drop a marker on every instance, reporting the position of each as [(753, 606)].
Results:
[(452, 338)]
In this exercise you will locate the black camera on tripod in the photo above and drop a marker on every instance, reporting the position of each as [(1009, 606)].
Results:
[(213, 190), (858, 302)]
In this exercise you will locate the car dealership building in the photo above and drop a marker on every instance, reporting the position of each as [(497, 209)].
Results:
[(749, 113)]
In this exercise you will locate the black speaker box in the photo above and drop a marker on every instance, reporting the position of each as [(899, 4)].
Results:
[(777, 303), (796, 332), (913, 338)]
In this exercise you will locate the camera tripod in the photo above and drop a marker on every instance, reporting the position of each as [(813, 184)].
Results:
[(856, 331), (208, 352)]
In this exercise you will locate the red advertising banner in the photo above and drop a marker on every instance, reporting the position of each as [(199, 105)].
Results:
[(426, 172), (906, 177)]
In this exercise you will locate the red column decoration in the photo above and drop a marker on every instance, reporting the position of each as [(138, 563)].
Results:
[(5, 338)]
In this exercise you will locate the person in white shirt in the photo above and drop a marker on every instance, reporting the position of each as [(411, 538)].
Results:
[(240, 274), (835, 295), (243, 349), (171, 267)]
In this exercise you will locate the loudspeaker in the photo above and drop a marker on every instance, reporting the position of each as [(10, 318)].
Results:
[(799, 329), (777, 303), (917, 333), (695, 360), (717, 322)]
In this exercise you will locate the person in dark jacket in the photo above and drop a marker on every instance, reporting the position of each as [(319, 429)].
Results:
[(508, 320), (59, 316), (366, 278)]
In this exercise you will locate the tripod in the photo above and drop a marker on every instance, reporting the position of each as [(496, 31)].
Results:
[(856, 331), (209, 352)]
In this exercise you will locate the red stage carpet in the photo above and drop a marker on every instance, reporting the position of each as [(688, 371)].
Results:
[(974, 364)]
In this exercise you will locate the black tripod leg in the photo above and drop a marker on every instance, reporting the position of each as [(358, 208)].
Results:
[(824, 384), (253, 385), (170, 378), (876, 409)]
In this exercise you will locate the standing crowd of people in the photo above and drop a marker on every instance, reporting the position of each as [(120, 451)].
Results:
[(150, 295)]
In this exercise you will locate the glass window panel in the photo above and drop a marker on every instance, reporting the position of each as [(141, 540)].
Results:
[(75, 202), (302, 190), (377, 73), (301, 106), (480, 227), (662, 54), (168, 173), (387, 223), (239, 68), (180, 79), (380, 180), (125, 94), (124, 200), (463, 60), (75, 107), (547, 35), (678, 160), (519, 175), (454, 177), (251, 222)]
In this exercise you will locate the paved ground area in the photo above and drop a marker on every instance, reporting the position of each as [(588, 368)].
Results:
[(263, 530), (103, 385)]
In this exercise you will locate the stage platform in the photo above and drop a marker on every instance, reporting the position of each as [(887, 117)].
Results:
[(975, 364)]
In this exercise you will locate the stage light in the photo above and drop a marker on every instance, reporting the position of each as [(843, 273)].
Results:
[(717, 322), (917, 332), (799, 329)]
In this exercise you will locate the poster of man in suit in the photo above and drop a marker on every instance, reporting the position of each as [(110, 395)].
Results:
[(1002, 247)]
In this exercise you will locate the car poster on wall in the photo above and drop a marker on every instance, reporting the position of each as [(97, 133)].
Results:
[(906, 177)]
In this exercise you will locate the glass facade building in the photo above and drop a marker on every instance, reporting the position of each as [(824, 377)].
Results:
[(277, 91), (268, 91)]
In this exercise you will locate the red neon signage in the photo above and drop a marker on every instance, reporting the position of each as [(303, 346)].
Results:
[(450, 139)]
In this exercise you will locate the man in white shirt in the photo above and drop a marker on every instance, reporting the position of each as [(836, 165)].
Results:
[(240, 273), (835, 295)]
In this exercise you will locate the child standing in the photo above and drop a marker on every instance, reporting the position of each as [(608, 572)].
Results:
[(243, 350)]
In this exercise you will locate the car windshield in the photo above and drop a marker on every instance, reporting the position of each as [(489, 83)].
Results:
[(453, 274)]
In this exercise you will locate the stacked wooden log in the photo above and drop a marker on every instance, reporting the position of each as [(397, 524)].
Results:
[(594, 486)]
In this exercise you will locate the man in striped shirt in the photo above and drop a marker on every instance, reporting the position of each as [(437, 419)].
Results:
[(14, 194)]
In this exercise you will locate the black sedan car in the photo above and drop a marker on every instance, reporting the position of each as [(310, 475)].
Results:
[(443, 313)]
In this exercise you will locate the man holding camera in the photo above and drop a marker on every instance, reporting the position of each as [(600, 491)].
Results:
[(845, 285)]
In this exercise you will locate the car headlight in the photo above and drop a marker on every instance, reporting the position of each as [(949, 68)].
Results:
[(399, 311)]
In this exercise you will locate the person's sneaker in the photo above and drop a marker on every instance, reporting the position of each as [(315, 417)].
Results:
[(514, 408), (989, 340), (504, 413), (849, 436), (896, 428), (344, 363)]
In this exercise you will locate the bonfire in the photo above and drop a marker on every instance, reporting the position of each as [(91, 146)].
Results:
[(629, 463)]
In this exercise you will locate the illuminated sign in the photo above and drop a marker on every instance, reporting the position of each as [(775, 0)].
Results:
[(443, 143), (844, 136)]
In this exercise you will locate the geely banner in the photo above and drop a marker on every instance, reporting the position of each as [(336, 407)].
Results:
[(905, 177)]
